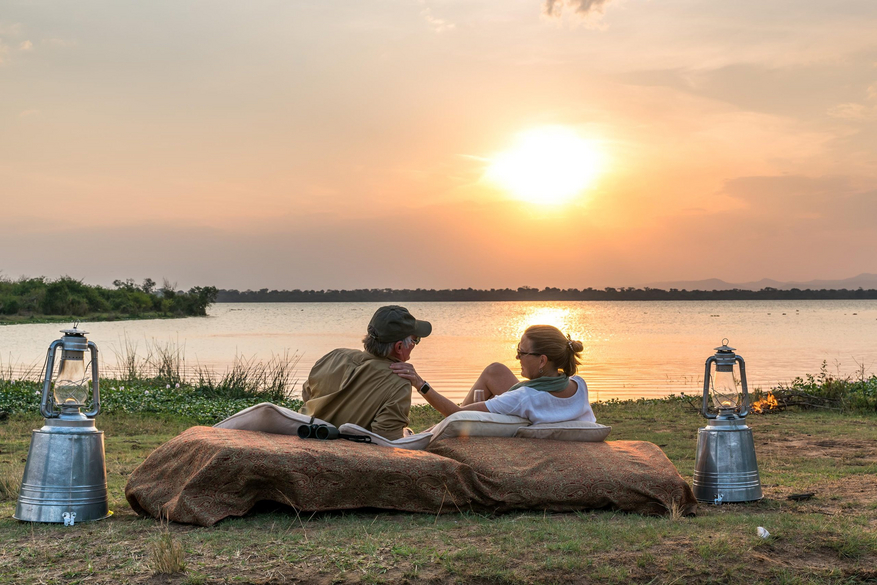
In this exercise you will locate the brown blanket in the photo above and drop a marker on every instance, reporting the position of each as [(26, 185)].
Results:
[(207, 474)]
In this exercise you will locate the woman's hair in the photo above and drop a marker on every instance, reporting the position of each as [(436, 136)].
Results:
[(380, 349), (560, 350)]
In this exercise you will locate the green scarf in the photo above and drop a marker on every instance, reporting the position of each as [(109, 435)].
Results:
[(544, 384)]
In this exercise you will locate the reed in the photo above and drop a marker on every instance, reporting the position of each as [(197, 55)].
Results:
[(165, 364), (158, 380), (272, 380)]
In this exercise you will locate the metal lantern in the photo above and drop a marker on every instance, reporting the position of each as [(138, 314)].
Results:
[(65, 478), (725, 468)]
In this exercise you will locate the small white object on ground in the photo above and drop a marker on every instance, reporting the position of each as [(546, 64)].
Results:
[(762, 532)]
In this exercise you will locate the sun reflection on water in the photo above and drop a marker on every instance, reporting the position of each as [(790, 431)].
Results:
[(543, 315), (568, 320)]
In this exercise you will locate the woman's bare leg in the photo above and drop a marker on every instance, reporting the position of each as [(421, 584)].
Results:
[(494, 380)]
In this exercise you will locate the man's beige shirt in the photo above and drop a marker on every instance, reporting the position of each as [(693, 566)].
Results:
[(352, 386)]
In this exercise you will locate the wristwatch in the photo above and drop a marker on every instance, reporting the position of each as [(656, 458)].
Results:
[(425, 388)]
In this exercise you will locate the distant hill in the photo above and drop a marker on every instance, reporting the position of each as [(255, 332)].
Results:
[(865, 281)]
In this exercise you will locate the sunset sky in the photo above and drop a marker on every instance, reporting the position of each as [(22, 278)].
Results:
[(438, 143)]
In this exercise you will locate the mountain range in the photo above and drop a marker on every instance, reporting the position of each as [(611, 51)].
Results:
[(865, 280)]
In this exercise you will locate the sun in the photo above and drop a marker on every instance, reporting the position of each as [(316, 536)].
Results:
[(548, 165)]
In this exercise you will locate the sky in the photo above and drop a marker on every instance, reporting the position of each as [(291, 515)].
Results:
[(437, 143)]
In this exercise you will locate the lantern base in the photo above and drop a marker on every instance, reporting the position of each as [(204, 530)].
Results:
[(65, 477), (725, 469)]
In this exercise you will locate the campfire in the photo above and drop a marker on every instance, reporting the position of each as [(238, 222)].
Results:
[(766, 404)]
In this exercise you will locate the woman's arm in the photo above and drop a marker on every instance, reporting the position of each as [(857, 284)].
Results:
[(436, 400)]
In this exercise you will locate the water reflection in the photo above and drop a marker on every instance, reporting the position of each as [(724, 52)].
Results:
[(558, 316)]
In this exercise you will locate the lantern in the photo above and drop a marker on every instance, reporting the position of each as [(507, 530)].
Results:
[(65, 478), (725, 468)]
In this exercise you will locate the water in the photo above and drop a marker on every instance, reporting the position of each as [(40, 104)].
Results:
[(632, 349)]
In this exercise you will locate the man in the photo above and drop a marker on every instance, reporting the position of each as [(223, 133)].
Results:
[(352, 386)]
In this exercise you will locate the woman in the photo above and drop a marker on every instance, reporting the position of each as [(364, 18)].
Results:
[(549, 360)]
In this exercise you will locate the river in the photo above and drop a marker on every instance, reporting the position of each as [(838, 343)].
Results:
[(632, 349)]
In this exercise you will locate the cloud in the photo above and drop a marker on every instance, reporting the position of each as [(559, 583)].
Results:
[(858, 112), (26, 113), (583, 8), (62, 43), (853, 112), (440, 25), (10, 30)]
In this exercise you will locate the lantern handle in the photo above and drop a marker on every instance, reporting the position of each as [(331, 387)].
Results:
[(706, 389), (745, 410), (45, 403), (95, 392)]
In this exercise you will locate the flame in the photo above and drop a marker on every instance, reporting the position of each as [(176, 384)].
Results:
[(767, 404)]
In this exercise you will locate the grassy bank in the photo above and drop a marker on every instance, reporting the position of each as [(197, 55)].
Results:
[(829, 538)]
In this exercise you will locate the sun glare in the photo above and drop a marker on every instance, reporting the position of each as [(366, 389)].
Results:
[(548, 165), (544, 315)]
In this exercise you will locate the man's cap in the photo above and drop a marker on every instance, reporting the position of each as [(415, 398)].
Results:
[(394, 323)]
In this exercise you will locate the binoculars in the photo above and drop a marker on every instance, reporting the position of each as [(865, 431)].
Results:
[(327, 433), (324, 432)]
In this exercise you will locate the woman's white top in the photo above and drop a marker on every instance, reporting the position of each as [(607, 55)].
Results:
[(544, 407)]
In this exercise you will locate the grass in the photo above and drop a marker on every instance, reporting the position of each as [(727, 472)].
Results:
[(830, 538), (167, 555)]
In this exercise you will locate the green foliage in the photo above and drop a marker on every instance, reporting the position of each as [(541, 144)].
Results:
[(68, 297), (857, 393), (198, 404)]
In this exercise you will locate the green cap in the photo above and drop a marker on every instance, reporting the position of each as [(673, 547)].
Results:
[(394, 323)]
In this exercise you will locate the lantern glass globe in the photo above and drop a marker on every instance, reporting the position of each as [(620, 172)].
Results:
[(72, 385), (724, 391)]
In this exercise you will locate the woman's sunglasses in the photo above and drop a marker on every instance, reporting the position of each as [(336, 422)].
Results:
[(520, 353)]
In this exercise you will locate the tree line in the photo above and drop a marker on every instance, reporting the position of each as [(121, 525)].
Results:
[(525, 293), (68, 297)]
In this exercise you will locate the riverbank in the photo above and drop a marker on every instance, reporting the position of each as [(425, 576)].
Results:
[(92, 318), (829, 538)]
